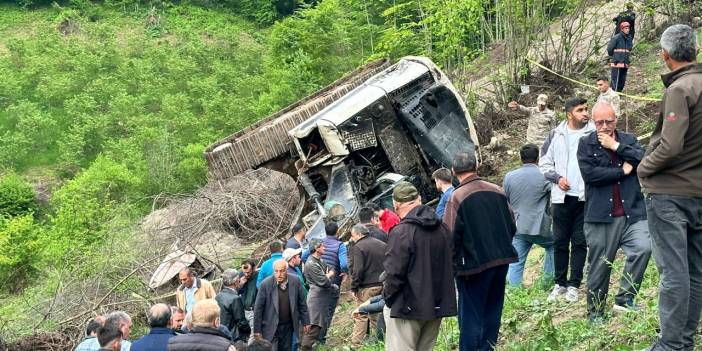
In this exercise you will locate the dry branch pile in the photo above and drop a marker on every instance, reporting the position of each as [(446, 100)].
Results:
[(253, 206), (41, 342)]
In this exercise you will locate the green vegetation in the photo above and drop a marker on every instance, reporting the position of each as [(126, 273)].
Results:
[(113, 102)]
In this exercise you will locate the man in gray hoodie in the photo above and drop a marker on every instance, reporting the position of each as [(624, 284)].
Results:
[(559, 164)]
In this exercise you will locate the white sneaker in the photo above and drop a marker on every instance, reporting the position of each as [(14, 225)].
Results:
[(572, 294), (556, 292)]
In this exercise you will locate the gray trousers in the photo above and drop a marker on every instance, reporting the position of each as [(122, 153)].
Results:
[(603, 241), (409, 334), (676, 229)]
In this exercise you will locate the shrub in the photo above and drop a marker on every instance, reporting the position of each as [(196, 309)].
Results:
[(19, 251), (87, 203), (17, 197)]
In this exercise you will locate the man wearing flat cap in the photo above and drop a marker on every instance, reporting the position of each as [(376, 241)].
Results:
[(418, 289), (483, 227)]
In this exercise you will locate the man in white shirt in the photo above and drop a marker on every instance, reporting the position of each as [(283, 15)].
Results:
[(559, 164)]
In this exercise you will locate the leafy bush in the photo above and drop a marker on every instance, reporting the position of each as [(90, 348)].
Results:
[(20, 251), (86, 204), (17, 197)]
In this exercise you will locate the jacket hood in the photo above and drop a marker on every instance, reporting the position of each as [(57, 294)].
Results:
[(423, 216), (671, 77), (563, 127)]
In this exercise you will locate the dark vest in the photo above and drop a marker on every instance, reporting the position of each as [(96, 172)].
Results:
[(200, 339), (331, 256)]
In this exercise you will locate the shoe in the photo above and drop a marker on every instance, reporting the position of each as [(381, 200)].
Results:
[(627, 307), (572, 294), (596, 319), (556, 292)]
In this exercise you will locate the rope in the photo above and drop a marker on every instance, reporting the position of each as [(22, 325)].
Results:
[(633, 97)]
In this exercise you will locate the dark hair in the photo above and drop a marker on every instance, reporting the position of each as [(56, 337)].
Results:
[(108, 333), (373, 206), (464, 162), (442, 174), (240, 345), (249, 262), (366, 214), (296, 228), (93, 326), (603, 78), (276, 246), (331, 228), (571, 103), (529, 153), (159, 316), (260, 345)]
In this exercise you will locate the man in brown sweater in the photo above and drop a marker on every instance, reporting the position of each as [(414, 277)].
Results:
[(671, 176), (368, 254)]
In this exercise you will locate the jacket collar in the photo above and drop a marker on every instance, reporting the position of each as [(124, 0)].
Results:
[(671, 77), (160, 330), (196, 284), (562, 128), (469, 179)]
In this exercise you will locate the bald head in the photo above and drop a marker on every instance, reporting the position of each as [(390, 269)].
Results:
[(159, 315), (280, 271)]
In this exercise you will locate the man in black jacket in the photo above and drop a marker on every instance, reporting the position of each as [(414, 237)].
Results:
[(205, 335), (368, 218), (368, 255), (483, 227), (619, 49), (615, 213), (419, 289), (248, 290), (231, 306)]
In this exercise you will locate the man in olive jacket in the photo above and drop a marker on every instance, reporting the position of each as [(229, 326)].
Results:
[(419, 289), (483, 227), (671, 176)]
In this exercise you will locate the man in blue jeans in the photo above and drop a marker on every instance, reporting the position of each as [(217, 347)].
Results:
[(528, 192), (670, 175)]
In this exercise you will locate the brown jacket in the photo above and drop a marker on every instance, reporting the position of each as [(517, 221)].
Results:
[(673, 161), (204, 291), (368, 254), (483, 226)]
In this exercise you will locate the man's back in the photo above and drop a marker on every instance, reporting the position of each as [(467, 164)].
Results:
[(528, 192), (156, 340), (200, 339), (419, 283)]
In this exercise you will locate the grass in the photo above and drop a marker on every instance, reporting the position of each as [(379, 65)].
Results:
[(530, 323)]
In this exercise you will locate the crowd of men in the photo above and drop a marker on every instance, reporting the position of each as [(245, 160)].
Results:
[(585, 190)]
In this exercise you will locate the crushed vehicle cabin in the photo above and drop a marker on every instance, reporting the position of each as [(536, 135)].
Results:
[(352, 141)]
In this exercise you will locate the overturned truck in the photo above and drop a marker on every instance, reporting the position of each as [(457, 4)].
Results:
[(352, 141)]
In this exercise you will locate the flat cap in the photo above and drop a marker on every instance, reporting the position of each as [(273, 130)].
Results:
[(290, 253), (404, 192)]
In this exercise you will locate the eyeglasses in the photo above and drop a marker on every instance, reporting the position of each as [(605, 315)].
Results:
[(609, 122)]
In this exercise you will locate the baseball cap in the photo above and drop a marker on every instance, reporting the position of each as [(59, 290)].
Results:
[(541, 99), (290, 253)]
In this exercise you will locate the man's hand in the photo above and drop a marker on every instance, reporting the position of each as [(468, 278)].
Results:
[(627, 167), (258, 336), (242, 281), (563, 184), (513, 105), (307, 328), (607, 141)]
